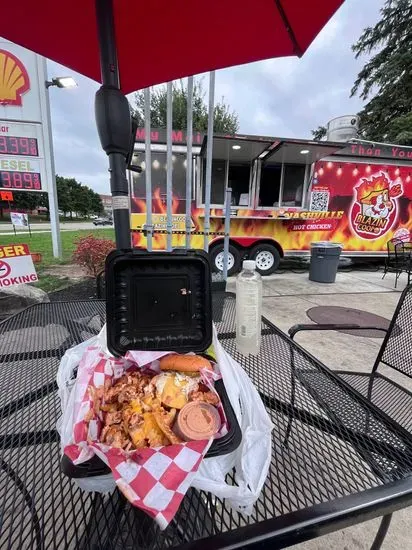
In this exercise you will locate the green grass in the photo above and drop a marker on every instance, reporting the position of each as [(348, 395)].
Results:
[(41, 243)]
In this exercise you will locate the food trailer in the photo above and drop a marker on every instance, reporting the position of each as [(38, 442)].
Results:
[(286, 193)]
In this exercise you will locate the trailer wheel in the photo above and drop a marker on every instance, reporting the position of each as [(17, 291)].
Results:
[(217, 256), (267, 258)]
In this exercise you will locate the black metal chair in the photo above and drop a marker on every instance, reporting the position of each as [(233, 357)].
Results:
[(403, 251), (398, 259), (395, 352), (392, 399)]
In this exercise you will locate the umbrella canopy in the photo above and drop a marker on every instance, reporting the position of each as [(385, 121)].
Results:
[(161, 40)]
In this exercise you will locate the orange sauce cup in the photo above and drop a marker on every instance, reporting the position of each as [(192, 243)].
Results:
[(197, 421)]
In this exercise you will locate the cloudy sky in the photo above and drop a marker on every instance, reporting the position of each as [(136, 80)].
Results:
[(281, 97)]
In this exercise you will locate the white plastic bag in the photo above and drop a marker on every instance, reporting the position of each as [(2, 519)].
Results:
[(65, 383), (252, 458)]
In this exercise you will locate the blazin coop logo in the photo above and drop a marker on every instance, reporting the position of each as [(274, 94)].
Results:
[(375, 206), (14, 80)]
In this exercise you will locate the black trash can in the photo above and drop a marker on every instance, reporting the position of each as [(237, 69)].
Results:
[(324, 260)]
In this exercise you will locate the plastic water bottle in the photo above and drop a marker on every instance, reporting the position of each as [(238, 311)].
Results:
[(248, 309)]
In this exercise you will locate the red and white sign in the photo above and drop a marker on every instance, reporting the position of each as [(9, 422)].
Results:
[(16, 265)]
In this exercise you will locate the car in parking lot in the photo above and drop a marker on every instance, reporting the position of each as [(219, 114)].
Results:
[(103, 221)]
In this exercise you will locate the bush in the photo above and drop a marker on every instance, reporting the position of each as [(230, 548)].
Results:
[(91, 253)]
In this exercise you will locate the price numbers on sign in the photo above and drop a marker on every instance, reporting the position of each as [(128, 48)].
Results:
[(11, 145), (20, 180)]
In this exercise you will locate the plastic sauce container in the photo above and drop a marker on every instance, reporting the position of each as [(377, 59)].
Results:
[(197, 421)]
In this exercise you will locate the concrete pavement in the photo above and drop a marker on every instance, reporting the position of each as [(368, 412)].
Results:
[(287, 297)]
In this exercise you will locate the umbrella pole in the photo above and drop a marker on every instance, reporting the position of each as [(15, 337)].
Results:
[(228, 203), (148, 171), (189, 160), (113, 121), (169, 165), (209, 154)]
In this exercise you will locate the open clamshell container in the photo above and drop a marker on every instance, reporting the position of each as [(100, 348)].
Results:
[(160, 301)]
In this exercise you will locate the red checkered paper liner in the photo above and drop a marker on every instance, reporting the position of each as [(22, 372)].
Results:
[(153, 479)]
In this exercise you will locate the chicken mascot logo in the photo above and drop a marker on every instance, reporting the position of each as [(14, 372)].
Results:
[(374, 207)]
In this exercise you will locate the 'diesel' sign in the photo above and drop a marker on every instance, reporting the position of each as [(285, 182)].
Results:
[(25, 162), (16, 265)]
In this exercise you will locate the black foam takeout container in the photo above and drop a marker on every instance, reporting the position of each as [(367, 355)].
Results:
[(160, 301)]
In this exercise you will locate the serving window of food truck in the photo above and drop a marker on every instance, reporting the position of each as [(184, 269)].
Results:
[(261, 173), (159, 170), (232, 166)]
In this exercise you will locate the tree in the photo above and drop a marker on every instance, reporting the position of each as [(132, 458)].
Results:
[(44, 202), (387, 77), (96, 205), (72, 196), (24, 200), (225, 120), (63, 195), (319, 133)]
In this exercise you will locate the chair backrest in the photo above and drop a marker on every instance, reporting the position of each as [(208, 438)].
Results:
[(403, 249), (391, 248), (396, 349)]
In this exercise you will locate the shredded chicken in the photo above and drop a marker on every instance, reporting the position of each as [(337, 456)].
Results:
[(127, 394), (113, 418), (114, 436), (134, 414), (206, 397)]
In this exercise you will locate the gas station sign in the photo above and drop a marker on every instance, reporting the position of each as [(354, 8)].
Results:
[(25, 163)]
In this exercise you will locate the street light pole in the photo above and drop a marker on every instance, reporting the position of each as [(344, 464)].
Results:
[(53, 204)]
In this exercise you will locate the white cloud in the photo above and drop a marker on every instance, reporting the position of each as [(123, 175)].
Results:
[(282, 72), (328, 35)]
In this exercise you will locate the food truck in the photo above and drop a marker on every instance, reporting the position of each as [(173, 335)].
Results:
[(286, 194)]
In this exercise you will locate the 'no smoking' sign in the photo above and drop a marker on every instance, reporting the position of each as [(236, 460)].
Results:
[(5, 269), (16, 265)]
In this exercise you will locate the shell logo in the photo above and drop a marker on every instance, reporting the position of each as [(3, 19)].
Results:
[(14, 80)]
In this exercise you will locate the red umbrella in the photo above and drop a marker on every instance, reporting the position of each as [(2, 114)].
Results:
[(131, 44), (160, 40)]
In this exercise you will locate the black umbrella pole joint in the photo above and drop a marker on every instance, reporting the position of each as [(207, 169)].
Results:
[(113, 121)]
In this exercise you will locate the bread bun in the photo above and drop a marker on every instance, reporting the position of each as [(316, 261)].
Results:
[(184, 363)]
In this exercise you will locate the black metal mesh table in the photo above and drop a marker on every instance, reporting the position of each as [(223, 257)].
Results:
[(336, 460)]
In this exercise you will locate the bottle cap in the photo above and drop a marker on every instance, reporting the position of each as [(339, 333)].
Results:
[(249, 265)]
